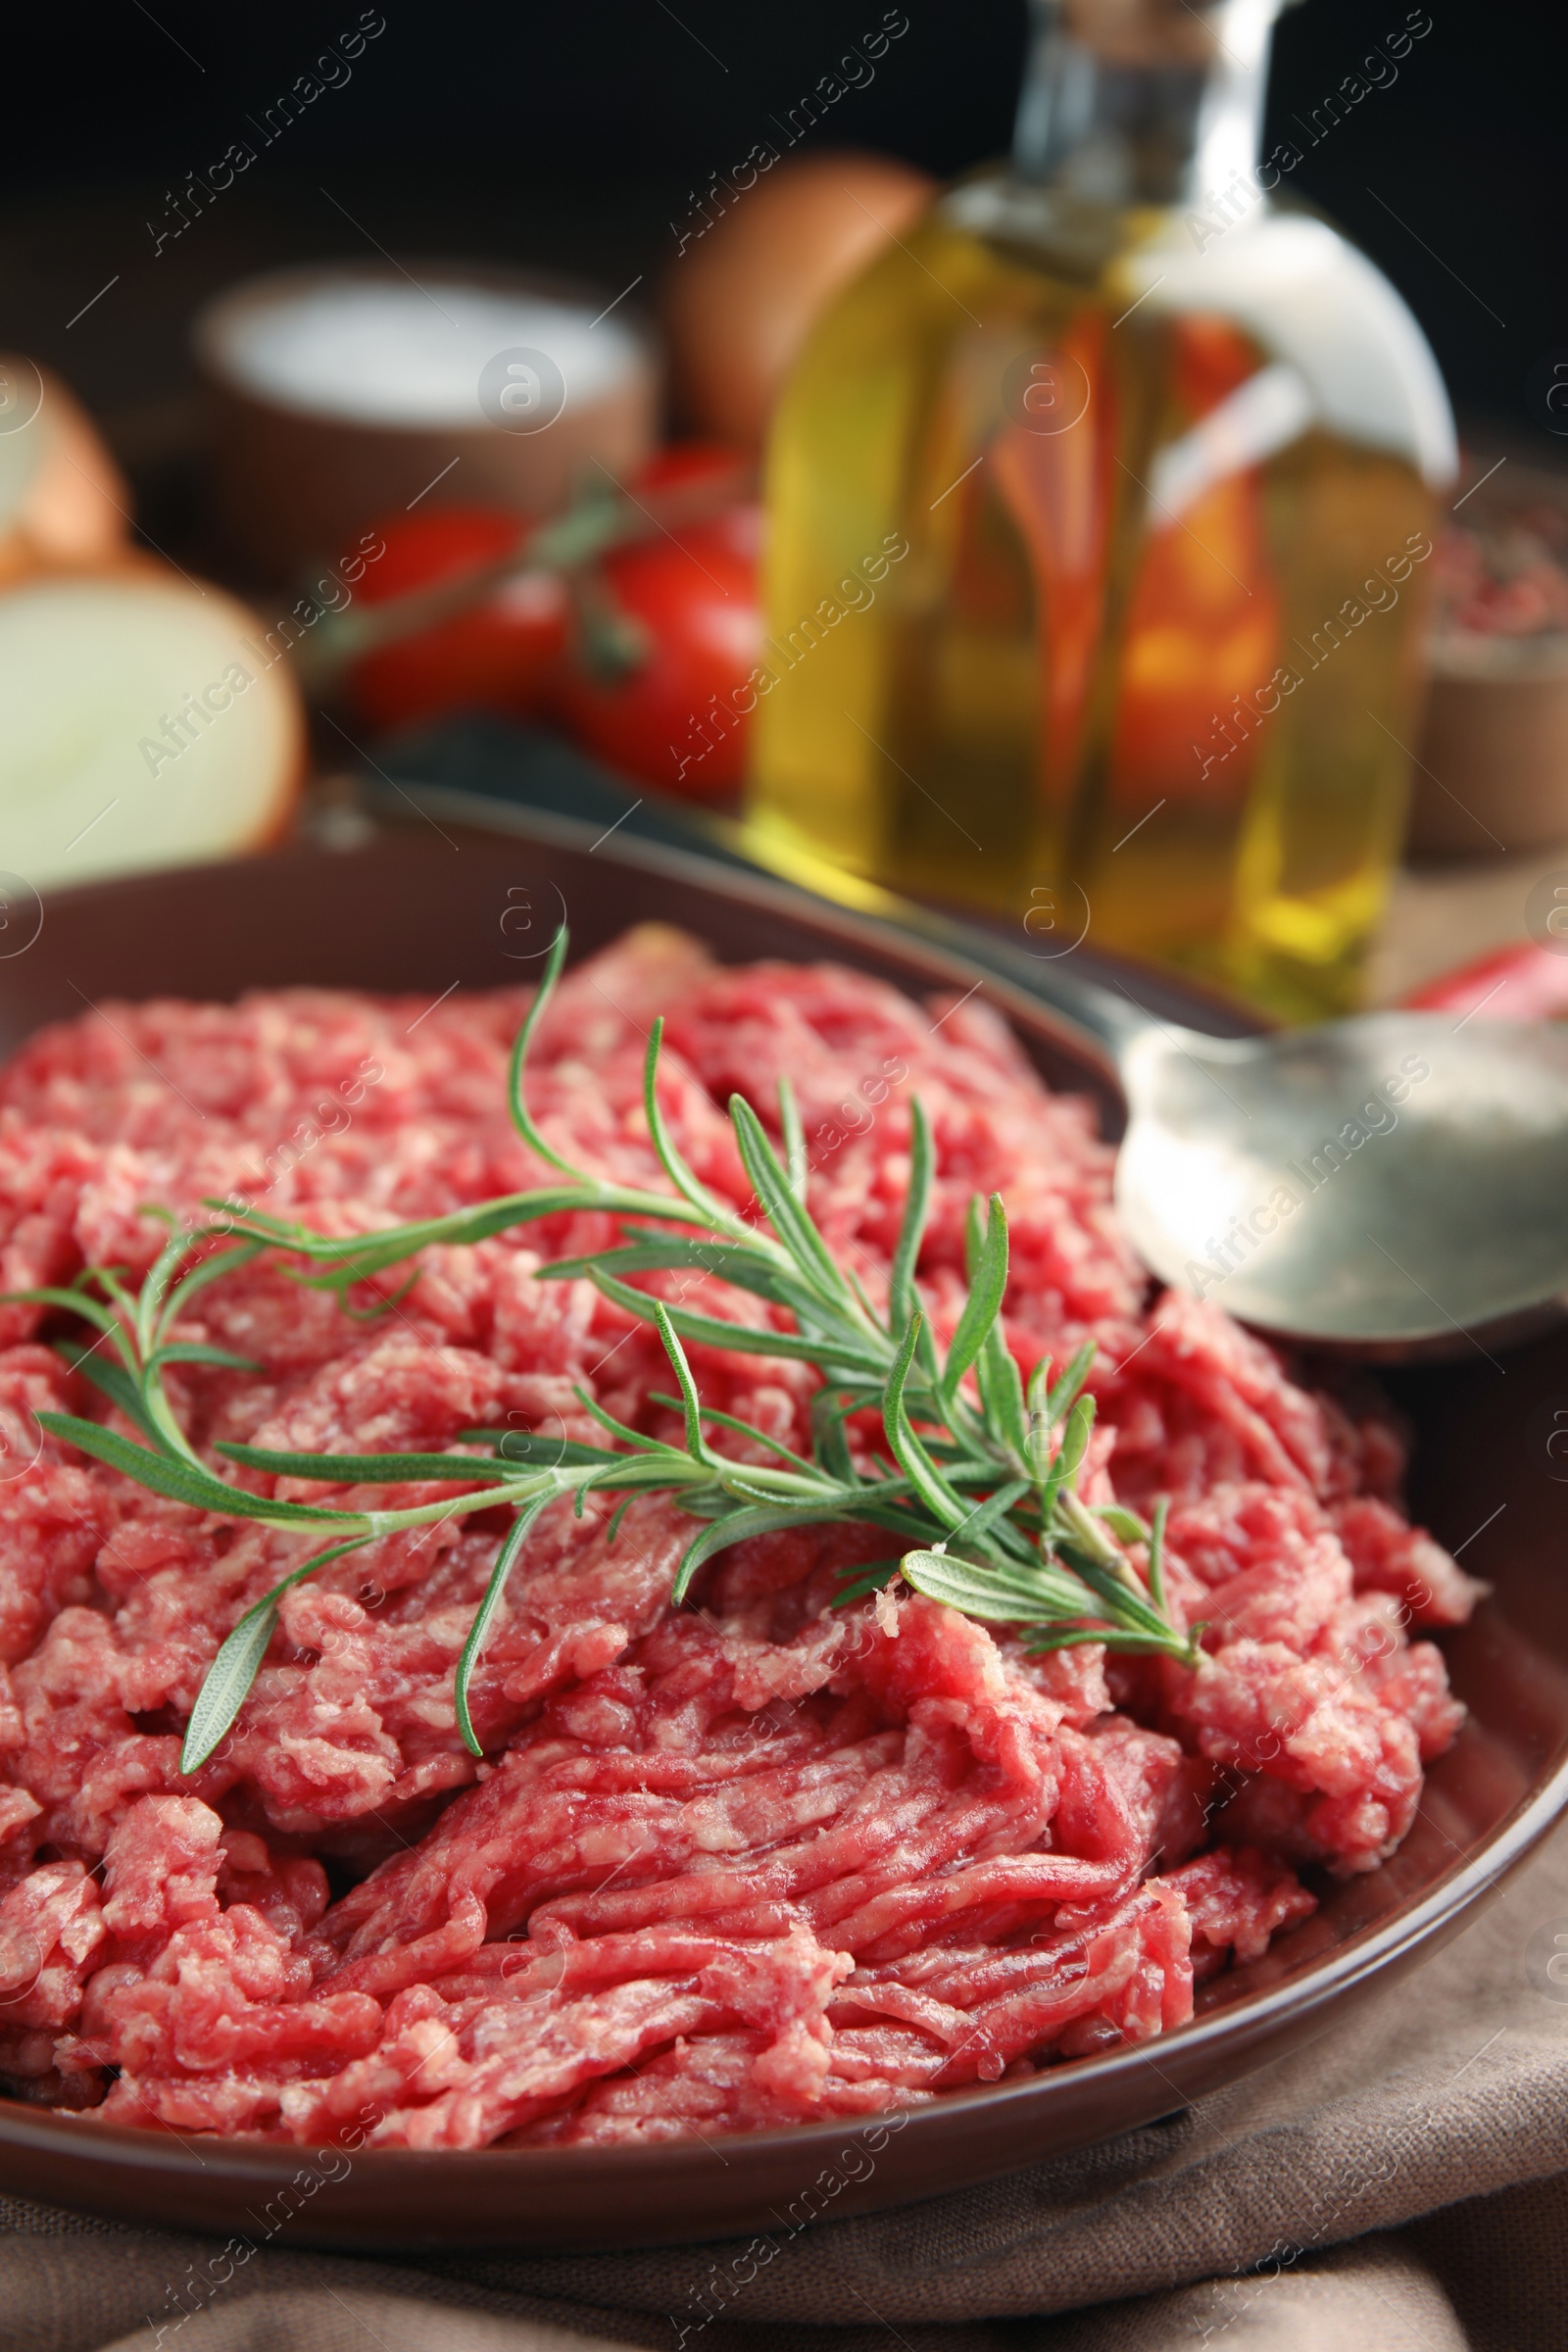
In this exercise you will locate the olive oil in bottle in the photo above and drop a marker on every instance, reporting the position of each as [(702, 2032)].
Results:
[(1100, 511)]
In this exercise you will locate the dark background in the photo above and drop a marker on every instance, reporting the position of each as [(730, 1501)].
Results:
[(572, 135)]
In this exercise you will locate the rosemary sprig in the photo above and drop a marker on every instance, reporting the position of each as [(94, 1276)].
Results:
[(977, 1484)]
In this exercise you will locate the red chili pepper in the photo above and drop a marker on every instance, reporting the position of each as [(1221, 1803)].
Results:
[(1523, 983)]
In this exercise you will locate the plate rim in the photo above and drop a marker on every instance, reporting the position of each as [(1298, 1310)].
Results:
[(1230, 2034)]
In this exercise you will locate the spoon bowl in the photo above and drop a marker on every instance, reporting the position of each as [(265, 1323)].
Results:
[(1391, 1184)]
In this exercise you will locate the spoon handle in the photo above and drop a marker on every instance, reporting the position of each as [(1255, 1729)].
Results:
[(1105, 1022)]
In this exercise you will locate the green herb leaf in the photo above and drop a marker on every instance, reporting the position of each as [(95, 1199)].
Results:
[(830, 1409), (875, 1577), (696, 1442), (110, 1380), (226, 1685), (368, 1469), (755, 1339), (618, 1429), (991, 1512), (169, 1474), (796, 1164), (1002, 1397), (1157, 1556), (734, 1263), (1001, 1595), (712, 1211), (516, 1103), (173, 1298), (783, 1211), (192, 1352), (530, 1446), (736, 1526), (479, 1632), (348, 1258), (75, 1302), (904, 1300), (1067, 1389), (933, 1489), (1070, 1454), (984, 1302), (743, 1429), (1123, 1523)]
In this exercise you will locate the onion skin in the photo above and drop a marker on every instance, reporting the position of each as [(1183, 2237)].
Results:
[(76, 509), (742, 295)]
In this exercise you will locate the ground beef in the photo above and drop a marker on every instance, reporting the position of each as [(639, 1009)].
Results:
[(724, 1867)]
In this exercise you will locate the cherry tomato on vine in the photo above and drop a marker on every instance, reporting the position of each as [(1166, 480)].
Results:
[(498, 656), (677, 616)]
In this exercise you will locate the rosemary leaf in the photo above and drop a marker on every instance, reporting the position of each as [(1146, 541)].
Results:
[(983, 1305), (1002, 1397), (110, 1380), (1067, 1391), (711, 1210), (1002, 1596), (192, 1352), (746, 1268), (696, 1444), (494, 1593), (618, 1429), (830, 1407), (1123, 1523), (754, 1519), (980, 1523), (527, 1445), (516, 1103), (368, 1469), (754, 1339), (169, 1301), (227, 1683), (795, 1166), (92, 1310), (1157, 1556), (172, 1475), (902, 1301), (785, 1213), (1070, 1454), (743, 1429), (875, 1577), (933, 1489)]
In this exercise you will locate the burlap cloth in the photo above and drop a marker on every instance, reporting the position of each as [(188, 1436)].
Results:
[(1399, 2184)]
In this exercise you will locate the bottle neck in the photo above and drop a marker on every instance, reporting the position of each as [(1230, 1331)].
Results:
[(1155, 103)]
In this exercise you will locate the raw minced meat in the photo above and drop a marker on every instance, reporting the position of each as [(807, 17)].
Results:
[(724, 1867)]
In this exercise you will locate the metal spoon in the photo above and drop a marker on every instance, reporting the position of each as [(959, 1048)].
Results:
[(1395, 1184)]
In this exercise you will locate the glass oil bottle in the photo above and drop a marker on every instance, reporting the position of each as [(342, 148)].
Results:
[(1099, 515)]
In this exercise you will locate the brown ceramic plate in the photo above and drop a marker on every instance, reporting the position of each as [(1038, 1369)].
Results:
[(417, 911)]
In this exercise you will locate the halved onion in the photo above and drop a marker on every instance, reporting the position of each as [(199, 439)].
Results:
[(144, 721)]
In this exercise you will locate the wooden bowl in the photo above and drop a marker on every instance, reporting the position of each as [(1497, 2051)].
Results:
[(295, 484), (1494, 767), (415, 909), (1492, 770)]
